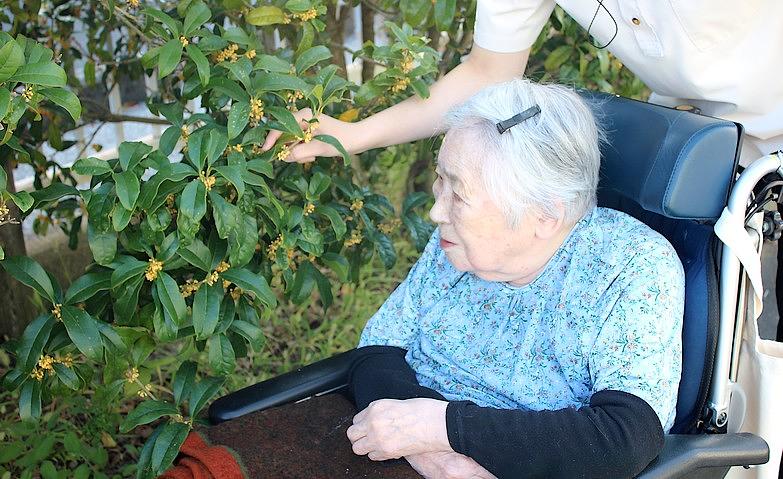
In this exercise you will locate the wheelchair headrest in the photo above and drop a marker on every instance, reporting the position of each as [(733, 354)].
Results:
[(674, 163)]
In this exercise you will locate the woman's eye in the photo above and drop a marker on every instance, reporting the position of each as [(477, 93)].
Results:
[(458, 197)]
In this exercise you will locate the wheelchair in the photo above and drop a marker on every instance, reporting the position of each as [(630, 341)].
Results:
[(676, 171)]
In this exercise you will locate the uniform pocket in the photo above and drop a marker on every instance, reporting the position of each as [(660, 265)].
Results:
[(713, 23)]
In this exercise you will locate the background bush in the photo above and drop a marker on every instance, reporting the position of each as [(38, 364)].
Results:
[(210, 255)]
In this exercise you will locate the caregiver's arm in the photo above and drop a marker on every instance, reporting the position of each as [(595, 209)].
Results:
[(416, 117)]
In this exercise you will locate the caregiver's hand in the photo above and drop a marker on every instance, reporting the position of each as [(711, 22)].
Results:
[(347, 133), (447, 465), (390, 429)]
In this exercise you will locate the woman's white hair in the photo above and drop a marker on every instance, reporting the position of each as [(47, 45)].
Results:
[(549, 162)]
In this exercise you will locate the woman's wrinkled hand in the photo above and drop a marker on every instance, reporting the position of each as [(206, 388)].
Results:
[(346, 133), (447, 465), (390, 428)]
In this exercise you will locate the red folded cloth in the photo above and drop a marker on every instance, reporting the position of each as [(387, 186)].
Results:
[(198, 460)]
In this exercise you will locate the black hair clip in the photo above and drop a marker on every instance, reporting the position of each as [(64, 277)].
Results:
[(515, 120)]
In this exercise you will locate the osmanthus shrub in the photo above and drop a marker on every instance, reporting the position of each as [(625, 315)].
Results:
[(196, 240)]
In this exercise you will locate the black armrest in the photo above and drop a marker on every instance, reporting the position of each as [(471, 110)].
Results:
[(327, 375), (684, 454)]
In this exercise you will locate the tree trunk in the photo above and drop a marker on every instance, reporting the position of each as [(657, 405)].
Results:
[(15, 298), (335, 20), (368, 35)]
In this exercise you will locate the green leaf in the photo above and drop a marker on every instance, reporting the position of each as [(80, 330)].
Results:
[(201, 62), (249, 331), (167, 445), (287, 120), (221, 354), (120, 217), (112, 341), (385, 248), (311, 57), (183, 381), (30, 401), (127, 184), (319, 183), (324, 288), (335, 143), (444, 13), (169, 57), (127, 298), (308, 34), (102, 244), (252, 282), (146, 412), (132, 152), (206, 309), (277, 82), (272, 64), (22, 199), (216, 143), (86, 286), (415, 11), (29, 272), (238, 117), (65, 99), (265, 15), (84, 332), (129, 268), (192, 205), (198, 14), (5, 103), (89, 72), (202, 392), (227, 216), (304, 282), (32, 342), (228, 87), (233, 173), (168, 140), (91, 167), (338, 224), (558, 57), (53, 192), (67, 376), (173, 112), (42, 73), (11, 58), (242, 244), (197, 254), (170, 298), (174, 26), (240, 70), (337, 263), (144, 463), (162, 323)]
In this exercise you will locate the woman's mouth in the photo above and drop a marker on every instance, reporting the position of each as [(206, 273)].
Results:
[(446, 244)]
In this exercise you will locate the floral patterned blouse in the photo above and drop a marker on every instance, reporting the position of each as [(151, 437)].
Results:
[(605, 313)]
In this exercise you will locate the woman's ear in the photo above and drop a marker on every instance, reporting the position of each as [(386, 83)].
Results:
[(548, 227)]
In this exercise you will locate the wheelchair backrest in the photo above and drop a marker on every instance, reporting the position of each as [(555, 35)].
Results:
[(673, 170)]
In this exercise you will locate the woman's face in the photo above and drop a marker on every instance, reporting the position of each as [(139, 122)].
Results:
[(474, 232)]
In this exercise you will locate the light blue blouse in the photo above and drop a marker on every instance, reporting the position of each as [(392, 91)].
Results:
[(605, 313)]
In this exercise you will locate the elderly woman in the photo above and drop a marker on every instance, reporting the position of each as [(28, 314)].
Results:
[(538, 335)]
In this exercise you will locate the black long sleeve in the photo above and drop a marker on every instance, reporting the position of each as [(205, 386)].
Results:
[(381, 372), (616, 436)]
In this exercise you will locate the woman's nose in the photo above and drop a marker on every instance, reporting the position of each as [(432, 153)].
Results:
[(439, 211)]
